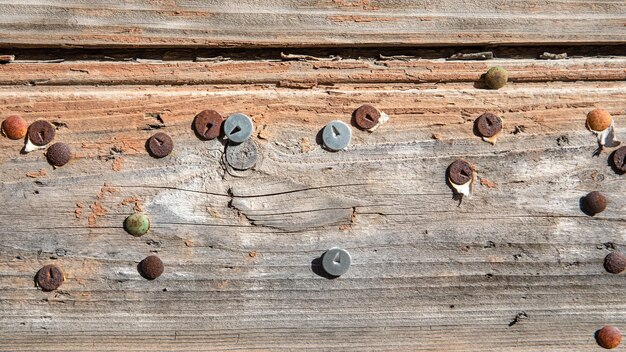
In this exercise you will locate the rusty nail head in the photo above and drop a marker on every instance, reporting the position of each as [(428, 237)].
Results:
[(615, 262), (594, 202), (59, 154), (41, 132), (366, 116), (460, 172), (488, 124), (599, 120), (49, 278), (208, 124), (160, 145), (608, 337), (619, 158), (151, 267), (14, 127)]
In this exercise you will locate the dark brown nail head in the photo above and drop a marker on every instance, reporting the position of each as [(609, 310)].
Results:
[(488, 124), (615, 262), (208, 124), (160, 145), (594, 203), (151, 267), (619, 158), (460, 172), (49, 278), (59, 154), (366, 116), (41, 132)]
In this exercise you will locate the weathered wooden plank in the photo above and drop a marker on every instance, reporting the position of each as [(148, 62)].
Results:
[(238, 249), (296, 23), (300, 74)]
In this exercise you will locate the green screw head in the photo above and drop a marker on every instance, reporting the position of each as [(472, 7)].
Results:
[(137, 224), (496, 77)]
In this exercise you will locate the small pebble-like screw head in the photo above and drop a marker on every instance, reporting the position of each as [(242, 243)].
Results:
[(599, 120), (59, 154), (336, 261), (137, 224), (49, 278), (609, 337), (336, 135), (238, 127), (594, 203), (208, 124), (41, 132), (488, 124), (496, 77), (151, 267), (619, 158), (460, 172), (14, 127), (615, 262), (160, 145), (366, 116)]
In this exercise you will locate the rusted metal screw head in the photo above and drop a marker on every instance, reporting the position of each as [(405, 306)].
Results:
[(599, 120), (160, 145), (49, 278), (366, 116), (615, 262), (242, 156), (336, 261), (460, 172), (14, 127), (238, 127), (608, 337), (496, 77), (208, 124), (151, 267), (594, 203), (59, 154), (137, 224), (619, 158), (488, 124), (41, 132)]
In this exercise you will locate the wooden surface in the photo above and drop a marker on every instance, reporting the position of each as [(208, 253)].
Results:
[(300, 23), (516, 267)]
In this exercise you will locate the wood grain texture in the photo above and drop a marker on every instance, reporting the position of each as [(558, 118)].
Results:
[(297, 23), (306, 74), (517, 267)]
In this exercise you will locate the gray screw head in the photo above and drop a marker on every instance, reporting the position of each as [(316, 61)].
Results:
[(336, 135), (238, 127), (336, 261), (242, 156)]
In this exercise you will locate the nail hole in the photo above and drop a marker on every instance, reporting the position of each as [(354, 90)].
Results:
[(235, 130), (335, 131), (159, 142), (208, 127), (337, 259), (369, 118)]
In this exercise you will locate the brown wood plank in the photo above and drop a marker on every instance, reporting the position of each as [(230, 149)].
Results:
[(297, 23), (427, 274), (306, 74)]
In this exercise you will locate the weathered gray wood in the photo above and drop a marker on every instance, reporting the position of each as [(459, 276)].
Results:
[(427, 275), (297, 23)]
